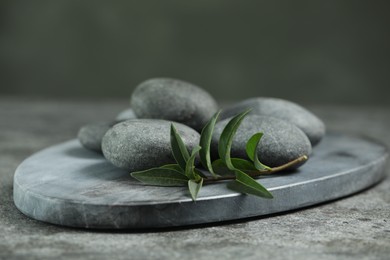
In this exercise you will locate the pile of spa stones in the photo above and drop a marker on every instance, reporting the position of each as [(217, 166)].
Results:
[(139, 138)]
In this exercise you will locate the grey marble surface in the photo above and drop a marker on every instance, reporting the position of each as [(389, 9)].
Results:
[(68, 185), (350, 228)]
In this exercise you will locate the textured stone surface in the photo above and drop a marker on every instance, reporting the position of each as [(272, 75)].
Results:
[(356, 227), (91, 135), (87, 191), (174, 100), (281, 143), (126, 115), (310, 124), (140, 144)]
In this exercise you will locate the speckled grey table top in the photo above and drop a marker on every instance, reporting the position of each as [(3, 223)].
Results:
[(350, 228)]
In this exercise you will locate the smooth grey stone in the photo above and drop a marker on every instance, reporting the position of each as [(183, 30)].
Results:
[(175, 100), (71, 186), (91, 135), (140, 144), (281, 143), (126, 115), (309, 123)]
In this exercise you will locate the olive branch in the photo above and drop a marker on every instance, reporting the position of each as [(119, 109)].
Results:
[(241, 171)]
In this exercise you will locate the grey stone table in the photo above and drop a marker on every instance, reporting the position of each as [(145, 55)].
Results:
[(350, 228)]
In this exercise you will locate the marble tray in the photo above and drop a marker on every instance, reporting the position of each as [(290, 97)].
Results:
[(68, 185)]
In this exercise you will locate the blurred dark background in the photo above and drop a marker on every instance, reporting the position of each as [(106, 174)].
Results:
[(334, 52)]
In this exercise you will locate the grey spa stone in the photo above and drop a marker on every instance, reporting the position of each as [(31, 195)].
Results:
[(175, 100), (140, 144), (90, 136), (126, 115), (310, 124), (281, 143)]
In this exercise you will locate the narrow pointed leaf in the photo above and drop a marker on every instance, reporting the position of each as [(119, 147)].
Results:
[(175, 167), (194, 188), (251, 145), (238, 163), (220, 168), (251, 151), (189, 169), (243, 165), (179, 150), (226, 139), (205, 141), (245, 184), (160, 177)]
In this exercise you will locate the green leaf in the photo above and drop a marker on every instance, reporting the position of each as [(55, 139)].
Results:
[(226, 139), (194, 188), (160, 177), (238, 163), (175, 167), (179, 150), (245, 184), (251, 151), (205, 141), (242, 164), (189, 169), (220, 168)]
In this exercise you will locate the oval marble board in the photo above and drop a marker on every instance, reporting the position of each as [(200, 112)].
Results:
[(68, 185)]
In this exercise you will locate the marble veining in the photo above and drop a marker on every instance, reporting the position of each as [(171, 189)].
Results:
[(68, 185)]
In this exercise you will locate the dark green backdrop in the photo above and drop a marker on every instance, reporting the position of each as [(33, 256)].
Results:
[(306, 51)]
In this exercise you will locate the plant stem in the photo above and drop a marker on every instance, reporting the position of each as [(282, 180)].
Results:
[(287, 165), (258, 173)]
